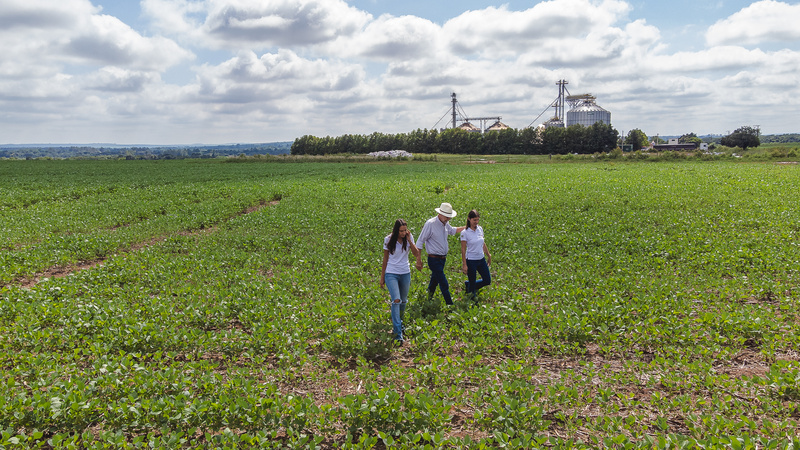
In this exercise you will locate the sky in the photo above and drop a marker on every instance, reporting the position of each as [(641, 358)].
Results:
[(184, 72)]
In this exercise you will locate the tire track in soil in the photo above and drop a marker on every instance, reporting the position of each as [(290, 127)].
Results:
[(70, 269)]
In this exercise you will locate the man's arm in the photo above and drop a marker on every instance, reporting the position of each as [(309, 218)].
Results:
[(423, 236), (418, 255)]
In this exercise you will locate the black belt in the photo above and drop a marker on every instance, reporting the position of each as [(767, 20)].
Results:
[(437, 256)]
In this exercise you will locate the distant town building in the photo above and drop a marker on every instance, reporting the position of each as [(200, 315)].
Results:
[(674, 145)]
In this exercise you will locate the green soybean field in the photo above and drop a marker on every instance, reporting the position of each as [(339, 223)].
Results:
[(221, 304)]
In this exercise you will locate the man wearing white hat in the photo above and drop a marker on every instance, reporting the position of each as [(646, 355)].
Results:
[(434, 238)]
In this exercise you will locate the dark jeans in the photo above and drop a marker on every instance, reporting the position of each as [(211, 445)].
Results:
[(438, 278), (479, 266)]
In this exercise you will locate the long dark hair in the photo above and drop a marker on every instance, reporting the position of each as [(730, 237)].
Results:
[(472, 214), (396, 235)]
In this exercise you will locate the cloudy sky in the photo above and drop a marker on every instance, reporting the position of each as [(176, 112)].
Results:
[(247, 71)]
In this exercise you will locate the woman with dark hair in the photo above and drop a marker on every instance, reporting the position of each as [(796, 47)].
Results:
[(396, 272), (475, 257)]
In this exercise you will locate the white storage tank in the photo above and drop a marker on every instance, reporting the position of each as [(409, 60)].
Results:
[(586, 112)]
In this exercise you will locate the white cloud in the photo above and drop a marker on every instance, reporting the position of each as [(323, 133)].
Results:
[(72, 31), (108, 41), (256, 24), (717, 58), (250, 79), (176, 17), (494, 32), (285, 68), (763, 21), (115, 79), (390, 38), (43, 15), (281, 22)]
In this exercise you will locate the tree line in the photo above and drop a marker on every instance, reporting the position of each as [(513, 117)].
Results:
[(198, 152), (597, 138), (780, 138)]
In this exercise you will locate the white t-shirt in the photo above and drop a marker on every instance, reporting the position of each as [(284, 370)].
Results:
[(398, 261), (474, 240)]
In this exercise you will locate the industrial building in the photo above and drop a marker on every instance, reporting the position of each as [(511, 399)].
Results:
[(456, 111), (584, 111)]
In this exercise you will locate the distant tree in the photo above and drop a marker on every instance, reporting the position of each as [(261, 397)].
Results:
[(531, 141), (603, 137), (690, 138), (743, 137), (554, 140), (637, 139), (657, 140), (500, 142), (781, 138), (305, 145)]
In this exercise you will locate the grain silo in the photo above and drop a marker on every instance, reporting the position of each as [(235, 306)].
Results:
[(585, 111), (498, 126), (466, 126)]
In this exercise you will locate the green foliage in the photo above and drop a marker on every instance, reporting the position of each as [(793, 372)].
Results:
[(599, 137), (637, 138), (148, 153), (690, 138), (743, 137), (780, 138), (200, 304)]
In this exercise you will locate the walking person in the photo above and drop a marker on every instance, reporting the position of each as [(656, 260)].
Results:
[(396, 272), (475, 256), (434, 239)]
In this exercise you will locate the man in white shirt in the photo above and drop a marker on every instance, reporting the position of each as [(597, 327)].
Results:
[(434, 238)]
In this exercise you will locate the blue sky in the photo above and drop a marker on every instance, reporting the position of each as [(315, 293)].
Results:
[(223, 71)]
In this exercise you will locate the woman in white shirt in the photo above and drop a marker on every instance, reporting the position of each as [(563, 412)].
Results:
[(475, 257), (396, 272)]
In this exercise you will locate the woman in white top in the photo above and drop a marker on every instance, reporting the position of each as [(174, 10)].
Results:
[(475, 255), (396, 272)]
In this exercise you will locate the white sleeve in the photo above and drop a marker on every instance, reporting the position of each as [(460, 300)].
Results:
[(422, 236), (450, 230)]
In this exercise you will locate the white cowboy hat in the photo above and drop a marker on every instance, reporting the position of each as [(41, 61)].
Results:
[(446, 210)]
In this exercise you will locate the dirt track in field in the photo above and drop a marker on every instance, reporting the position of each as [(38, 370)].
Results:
[(70, 269)]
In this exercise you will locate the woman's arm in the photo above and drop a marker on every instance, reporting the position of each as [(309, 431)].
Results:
[(417, 254), (383, 267), (464, 256), (486, 253)]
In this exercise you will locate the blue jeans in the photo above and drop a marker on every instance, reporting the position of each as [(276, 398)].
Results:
[(479, 266), (438, 278), (398, 285)]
